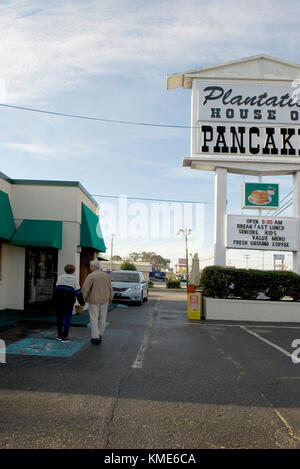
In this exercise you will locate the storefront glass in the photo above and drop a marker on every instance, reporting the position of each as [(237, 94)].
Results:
[(41, 275)]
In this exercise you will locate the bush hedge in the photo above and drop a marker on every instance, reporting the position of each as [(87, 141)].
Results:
[(127, 265), (173, 283), (222, 282)]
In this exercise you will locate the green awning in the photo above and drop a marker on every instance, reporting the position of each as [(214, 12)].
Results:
[(90, 233), (7, 224), (42, 233)]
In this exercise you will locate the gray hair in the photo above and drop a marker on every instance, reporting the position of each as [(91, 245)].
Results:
[(95, 265)]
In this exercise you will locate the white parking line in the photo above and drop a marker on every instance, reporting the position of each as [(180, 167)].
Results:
[(287, 354), (138, 362), (202, 323)]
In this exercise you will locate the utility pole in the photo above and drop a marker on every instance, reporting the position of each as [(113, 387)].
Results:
[(247, 256), (260, 214), (111, 250), (186, 232)]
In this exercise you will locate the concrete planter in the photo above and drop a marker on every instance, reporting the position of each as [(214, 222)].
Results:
[(252, 310)]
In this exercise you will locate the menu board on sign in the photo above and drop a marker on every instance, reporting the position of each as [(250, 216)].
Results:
[(262, 233)]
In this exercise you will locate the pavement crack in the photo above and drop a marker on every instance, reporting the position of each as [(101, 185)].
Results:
[(235, 363), (137, 364), (282, 419), (229, 358), (111, 414), (214, 446)]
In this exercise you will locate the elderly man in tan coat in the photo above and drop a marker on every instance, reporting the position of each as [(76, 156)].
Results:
[(97, 291)]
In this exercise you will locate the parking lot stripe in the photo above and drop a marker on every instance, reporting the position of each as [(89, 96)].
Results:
[(263, 326), (287, 354), (138, 362)]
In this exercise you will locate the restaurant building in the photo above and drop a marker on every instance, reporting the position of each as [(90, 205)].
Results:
[(44, 225)]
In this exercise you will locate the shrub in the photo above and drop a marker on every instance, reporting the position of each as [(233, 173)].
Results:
[(127, 265), (246, 283), (173, 283), (280, 284), (150, 284), (216, 282), (221, 282), (293, 289)]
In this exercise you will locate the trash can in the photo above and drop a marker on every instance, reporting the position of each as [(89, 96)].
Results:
[(191, 288)]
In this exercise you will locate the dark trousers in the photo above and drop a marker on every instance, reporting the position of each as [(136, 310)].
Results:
[(64, 316)]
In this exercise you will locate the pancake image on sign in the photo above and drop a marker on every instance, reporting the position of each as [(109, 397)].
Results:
[(259, 197)]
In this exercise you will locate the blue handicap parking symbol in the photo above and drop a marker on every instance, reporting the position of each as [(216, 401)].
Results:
[(45, 347)]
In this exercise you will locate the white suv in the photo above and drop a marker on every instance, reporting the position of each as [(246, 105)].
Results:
[(129, 285)]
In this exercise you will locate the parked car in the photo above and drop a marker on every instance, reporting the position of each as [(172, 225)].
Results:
[(158, 276), (129, 285)]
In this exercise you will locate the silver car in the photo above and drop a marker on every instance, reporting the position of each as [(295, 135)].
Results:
[(129, 285)]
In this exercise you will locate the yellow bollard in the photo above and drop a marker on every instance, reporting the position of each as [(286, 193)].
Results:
[(194, 306)]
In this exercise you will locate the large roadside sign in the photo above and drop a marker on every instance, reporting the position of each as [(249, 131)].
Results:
[(245, 120), (241, 119)]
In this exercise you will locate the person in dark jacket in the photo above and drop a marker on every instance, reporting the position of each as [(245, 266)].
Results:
[(66, 291)]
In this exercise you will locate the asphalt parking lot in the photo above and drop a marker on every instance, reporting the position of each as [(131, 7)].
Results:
[(158, 380)]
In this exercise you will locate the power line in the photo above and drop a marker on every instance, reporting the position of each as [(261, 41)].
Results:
[(284, 208), (270, 211), (111, 121), (287, 204), (150, 199), (114, 121), (281, 208), (286, 196)]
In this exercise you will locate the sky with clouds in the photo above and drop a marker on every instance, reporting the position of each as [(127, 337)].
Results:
[(110, 59)]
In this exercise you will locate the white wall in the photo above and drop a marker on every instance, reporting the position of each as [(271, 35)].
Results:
[(37, 202), (83, 198), (252, 310), (12, 267), (49, 202), (61, 203), (3, 275), (69, 254), (5, 186), (12, 284)]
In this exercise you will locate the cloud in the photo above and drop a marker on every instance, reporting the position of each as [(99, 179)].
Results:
[(39, 151), (46, 50), (183, 173)]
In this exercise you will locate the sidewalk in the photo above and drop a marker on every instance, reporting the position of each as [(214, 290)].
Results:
[(12, 316)]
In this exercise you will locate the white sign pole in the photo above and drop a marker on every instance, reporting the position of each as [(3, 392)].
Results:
[(220, 216), (296, 181), (260, 214)]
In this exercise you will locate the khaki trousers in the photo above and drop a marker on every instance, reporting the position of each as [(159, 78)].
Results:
[(98, 315)]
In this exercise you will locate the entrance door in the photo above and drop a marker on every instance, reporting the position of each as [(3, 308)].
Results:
[(86, 255), (40, 277)]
